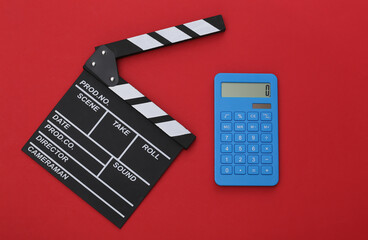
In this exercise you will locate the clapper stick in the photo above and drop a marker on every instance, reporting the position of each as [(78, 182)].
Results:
[(167, 36), (102, 65)]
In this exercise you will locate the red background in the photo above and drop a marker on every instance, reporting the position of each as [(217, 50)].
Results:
[(318, 50)]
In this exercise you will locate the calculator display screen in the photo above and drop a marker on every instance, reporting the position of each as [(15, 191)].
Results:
[(251, 90)]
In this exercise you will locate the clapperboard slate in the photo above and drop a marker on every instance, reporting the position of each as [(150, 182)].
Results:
[(105, 140)]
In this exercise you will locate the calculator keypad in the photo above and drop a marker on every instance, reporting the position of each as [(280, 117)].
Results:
[(246, 143)]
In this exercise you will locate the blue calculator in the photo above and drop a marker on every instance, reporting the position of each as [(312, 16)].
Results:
[(246, 130)]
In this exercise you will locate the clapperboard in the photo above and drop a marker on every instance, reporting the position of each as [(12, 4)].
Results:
[(105, 140)]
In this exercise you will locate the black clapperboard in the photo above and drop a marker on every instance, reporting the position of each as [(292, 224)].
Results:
[(105, 140)]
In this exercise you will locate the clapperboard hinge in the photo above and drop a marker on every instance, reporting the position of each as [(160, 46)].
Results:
[(102, 65)]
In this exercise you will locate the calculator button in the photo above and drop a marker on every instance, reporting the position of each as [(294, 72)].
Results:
[(253, 170), (253, 148), (226, 127), (239, 170), (266, 170), (252, 127), (226, 148), (266, 116), (239, 137), (239, 159), (253, 159), (239, 148), (226, 137), (239, 116), (266, 137), (252, 116), (226, 170), (239, 127), (252, 137), (266, 127), (226, 159), (226, 116), (266, 159), (266, 148)]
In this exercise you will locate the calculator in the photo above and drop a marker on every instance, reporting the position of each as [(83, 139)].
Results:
[(246, 130)]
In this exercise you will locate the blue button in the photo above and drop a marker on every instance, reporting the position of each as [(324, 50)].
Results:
[(239, 159), (239, 127), (266, 127), (266, 137), (226, 159), (266, 170), (226, 170), (266, 148), (252, 127), (266, 159), (226, 116), (252, 116), (252, 137), (239, 116), (239, 137), (239, 148), (226, 127), (253, 159), (226, 137), (226, 148), (253, 170), (253, 148), (239, 170), (266, 116)]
